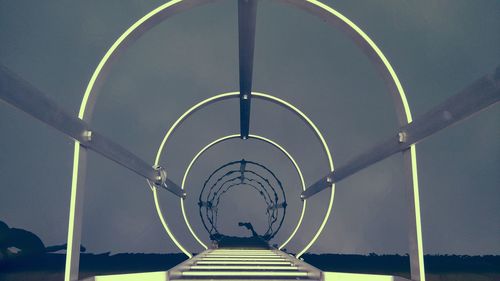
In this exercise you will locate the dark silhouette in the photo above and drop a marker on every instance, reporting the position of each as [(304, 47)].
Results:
[(249, 226), (254, 241), (20, 243)]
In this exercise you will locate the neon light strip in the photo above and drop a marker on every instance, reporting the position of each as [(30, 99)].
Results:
[(243, 267), (418, 225), (408, 116), (330, 162), (244, 259), (135, 28), (176, 124), (241, 250), (265, 97), (165, 225), (237, 136), (184, 178), (302, 182), (245, 262), (242, 273), (336, 276), (116, 45), (375, 48), (241, 255), (72, 213)]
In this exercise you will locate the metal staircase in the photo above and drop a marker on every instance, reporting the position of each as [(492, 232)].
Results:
[(244, 264)]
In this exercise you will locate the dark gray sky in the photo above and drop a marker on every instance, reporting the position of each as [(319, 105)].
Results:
[(436, 47)]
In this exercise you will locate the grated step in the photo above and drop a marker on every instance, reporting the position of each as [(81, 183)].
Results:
[(242, 267), (241, 264), (245, 262)]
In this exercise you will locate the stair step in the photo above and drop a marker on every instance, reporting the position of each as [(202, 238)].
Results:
[(242, 259), (244, 262), (242, 267), (245, 273), (243, 254), (243, 278)]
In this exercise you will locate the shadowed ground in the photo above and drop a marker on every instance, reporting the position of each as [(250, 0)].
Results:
[(439, 268)]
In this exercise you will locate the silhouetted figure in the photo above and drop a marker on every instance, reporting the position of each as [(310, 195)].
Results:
[(15, 242), (249, 227)]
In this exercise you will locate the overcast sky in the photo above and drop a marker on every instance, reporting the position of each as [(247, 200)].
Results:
[(436, 47)]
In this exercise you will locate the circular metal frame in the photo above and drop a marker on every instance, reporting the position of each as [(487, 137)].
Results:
[(262, 96), (251, 136), (317, 8), (234, 178)]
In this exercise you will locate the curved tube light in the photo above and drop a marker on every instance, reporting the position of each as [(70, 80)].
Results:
[(317, 8), (279, 102), (237, 136)]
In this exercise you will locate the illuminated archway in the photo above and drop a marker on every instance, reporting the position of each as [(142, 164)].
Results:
[(262, 96), (317, 8), (266, 140)]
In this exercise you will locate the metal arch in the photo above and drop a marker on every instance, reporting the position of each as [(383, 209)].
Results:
[(279, 102), (236, 171), (258, 180), (217, 193), (213, 219), (222, 139), (161, 13), (320, 137), (266, 140), (229, 182), (403, 112)]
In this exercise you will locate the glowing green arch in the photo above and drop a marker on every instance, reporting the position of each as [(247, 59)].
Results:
[(236, 136), (262, 96), (317, 8)]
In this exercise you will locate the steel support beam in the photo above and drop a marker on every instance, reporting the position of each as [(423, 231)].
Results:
[(22, 95), (481, 94), (247, 13)]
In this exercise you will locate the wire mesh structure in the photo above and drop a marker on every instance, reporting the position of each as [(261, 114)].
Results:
[(242, 174)]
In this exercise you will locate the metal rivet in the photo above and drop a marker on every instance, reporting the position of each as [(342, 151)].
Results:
[(401, 137), (87, 135)]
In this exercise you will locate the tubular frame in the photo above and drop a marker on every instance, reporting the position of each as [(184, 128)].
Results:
[(279, 102), (317, 8), (251, 136)]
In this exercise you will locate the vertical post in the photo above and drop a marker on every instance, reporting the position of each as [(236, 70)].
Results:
[(416, 252), (247, 15), (76, 213)]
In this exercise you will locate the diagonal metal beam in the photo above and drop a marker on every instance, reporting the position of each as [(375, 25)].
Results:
[(481, 94), (22, 95), (247, 13)]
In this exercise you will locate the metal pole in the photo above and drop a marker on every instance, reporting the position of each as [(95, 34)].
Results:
[(247, 13), (22, 95), (76, 213), (415, 249), (481, 94)]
